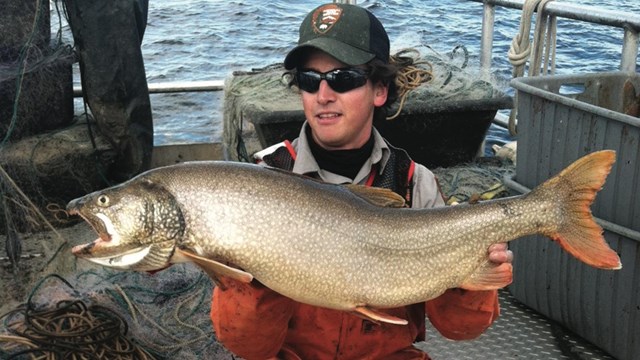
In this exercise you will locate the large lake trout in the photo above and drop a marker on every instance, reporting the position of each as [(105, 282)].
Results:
[(344, 247)]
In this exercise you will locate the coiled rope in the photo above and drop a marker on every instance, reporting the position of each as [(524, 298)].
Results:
[(411, 74), (71, 330), (521, 49)]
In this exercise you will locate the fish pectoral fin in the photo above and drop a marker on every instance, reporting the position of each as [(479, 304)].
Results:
[(214, 277), (377, 196), (489, 276), (215, 269), (377, 316)]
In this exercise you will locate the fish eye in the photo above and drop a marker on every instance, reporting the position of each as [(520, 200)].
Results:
[(103, 200)]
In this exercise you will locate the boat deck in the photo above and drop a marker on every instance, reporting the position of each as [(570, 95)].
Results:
[(519, 333)]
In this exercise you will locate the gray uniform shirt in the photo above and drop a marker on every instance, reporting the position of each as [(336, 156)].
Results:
[(426, 193)]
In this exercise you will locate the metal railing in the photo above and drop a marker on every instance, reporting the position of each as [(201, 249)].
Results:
[(174, 87), (628, 21)]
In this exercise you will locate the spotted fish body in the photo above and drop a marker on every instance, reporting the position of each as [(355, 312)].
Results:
[(328, 245)]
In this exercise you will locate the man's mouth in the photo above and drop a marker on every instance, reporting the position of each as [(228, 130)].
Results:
[(328, 116)]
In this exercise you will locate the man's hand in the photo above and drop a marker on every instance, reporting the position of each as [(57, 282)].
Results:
[(500, 253)]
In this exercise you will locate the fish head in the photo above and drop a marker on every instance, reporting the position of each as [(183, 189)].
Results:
[(138, 223)]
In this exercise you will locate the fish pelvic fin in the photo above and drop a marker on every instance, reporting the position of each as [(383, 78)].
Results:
[(489, 276), (213, 268), (376, 316), (575, 188)]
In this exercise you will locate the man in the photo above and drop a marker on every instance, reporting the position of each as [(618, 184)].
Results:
[(342, 69)]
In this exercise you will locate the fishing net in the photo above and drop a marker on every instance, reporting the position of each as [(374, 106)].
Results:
[(35, 97), (482, 179), (48, 155), (42, 163), (247, 93)]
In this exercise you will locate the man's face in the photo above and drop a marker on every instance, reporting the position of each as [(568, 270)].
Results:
[(340, 121)]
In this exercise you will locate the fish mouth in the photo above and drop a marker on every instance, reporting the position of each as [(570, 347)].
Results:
[(107, 249), (121, 260), (120, 246), (98, 225)]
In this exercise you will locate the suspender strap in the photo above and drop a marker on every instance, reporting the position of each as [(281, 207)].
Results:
[(291, 150), (372, 176)]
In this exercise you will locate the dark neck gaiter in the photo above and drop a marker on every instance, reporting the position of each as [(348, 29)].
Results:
[(342, 162)]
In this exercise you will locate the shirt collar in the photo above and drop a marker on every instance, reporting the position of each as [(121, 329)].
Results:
[(306, 164)]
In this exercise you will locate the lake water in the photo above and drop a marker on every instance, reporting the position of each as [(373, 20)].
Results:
[(209, 39)]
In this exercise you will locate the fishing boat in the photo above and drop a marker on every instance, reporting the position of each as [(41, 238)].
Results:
[(556, 308)]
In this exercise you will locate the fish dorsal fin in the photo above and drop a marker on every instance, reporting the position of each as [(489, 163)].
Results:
[(214, 268), (489, 276), (377, 196), (374, 195), (376, 316)]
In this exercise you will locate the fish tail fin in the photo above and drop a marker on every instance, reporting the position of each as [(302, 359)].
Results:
[(575, 188)]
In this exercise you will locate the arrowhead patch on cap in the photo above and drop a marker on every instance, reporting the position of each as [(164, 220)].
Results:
[(325, 17)]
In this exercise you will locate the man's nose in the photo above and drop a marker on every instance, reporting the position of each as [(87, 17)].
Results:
[(325, 92)]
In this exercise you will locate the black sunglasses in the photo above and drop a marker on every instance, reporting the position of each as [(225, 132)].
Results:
[(340, 80)]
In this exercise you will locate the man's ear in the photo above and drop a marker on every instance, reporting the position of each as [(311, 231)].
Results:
[(380, 92)]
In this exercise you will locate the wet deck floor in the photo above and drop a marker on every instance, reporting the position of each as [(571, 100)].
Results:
[(519, 333)]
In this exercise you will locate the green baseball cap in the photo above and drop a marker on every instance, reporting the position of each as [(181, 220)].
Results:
[(349, 33)]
